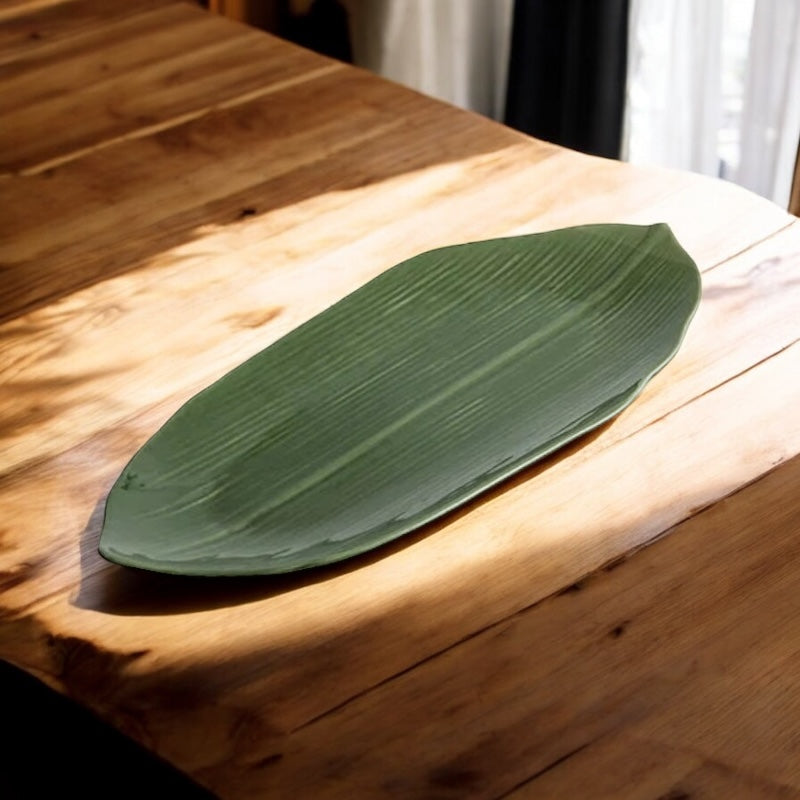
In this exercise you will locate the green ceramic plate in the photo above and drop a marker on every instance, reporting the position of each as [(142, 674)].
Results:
[(431, 383)]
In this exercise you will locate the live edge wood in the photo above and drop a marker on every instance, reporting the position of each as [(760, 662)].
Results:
[(622, 621)]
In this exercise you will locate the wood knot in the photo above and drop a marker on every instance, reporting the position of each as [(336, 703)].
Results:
[(618, 630)]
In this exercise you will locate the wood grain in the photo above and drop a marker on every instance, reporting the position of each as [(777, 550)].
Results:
[(237, 173), (31, 26), (618, 622), (719, 694), (128, 77)]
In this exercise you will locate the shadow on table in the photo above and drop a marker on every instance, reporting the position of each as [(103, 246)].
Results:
[(114, 589)]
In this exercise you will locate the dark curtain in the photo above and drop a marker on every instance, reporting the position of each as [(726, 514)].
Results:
[(566, 81), (324, 28)]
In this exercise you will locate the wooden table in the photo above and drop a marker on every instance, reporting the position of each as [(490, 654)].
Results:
[(623, 621)]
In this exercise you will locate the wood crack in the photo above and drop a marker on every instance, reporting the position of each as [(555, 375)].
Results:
[(791, 222), (551, 766), (704, 393)]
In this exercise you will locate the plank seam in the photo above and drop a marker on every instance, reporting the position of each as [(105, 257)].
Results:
[(35, 8), (174, 122), (704, 393), (551, 766), (790, 223)]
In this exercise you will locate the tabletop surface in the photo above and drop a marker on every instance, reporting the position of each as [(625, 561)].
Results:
[(622, 621)]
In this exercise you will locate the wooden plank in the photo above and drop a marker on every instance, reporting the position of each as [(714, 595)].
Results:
[(624, 766), (32, 26), (298, 647), (743, 708), (639, 646), (263, 155), (12, 9), (198, 190), (141, 71)]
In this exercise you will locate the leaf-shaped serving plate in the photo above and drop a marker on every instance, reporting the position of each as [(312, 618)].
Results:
[(432, 382)]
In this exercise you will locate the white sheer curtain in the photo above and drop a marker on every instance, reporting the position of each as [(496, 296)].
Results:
[(456, 50), (674, 89), (714, 87), (771, 113)]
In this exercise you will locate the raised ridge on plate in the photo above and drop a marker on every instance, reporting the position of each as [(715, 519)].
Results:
[(434, 381)]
